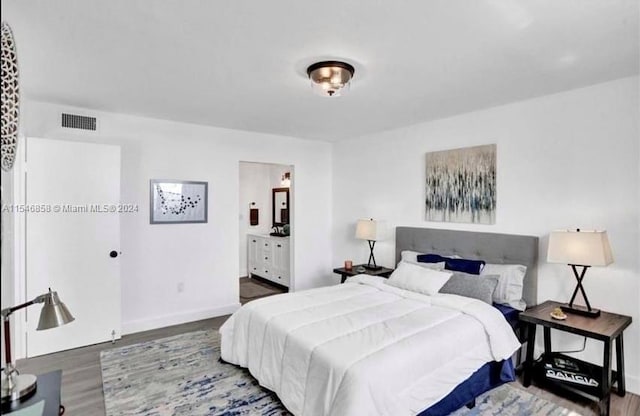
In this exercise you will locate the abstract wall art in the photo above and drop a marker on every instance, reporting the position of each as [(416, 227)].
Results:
[(178, 202), (461, 185)]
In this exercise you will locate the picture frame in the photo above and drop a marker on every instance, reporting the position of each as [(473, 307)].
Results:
[(178, 202), (461, 185)]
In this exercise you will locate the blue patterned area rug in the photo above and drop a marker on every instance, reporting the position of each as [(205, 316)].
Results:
[(181, 375), (510, 401)]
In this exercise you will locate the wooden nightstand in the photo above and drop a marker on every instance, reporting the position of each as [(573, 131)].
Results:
[(344, 273), (608, 327)]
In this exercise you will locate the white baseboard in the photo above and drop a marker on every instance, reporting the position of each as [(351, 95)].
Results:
[(633, 384), (176, 319)]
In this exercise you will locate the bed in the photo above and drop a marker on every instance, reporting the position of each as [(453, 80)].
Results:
[(493, 248), (367, 347)]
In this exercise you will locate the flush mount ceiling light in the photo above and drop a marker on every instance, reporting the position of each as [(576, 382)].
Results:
[(330, 78)]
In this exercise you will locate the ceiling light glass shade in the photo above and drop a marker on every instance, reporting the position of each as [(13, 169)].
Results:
[(54, 313), (583, 248), (330, 78)]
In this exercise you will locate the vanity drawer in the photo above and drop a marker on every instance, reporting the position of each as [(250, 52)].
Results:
[(268, 257), (281, 278)]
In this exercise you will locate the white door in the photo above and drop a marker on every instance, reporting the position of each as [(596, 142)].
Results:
[(69, 245)]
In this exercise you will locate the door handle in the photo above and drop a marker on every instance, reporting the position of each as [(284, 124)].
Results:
[(113, 254)]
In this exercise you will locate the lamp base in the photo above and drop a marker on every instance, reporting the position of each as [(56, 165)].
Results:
[(581, 310), (23, 386), (372, 268)]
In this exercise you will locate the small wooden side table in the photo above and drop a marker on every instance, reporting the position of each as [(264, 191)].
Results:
[(344, 273), (608, 327)]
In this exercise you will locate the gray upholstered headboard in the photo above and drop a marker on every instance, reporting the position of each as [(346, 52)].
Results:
[(490, 247)]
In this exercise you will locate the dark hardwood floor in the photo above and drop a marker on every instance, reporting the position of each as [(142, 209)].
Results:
[(82, 380), (256, 288)]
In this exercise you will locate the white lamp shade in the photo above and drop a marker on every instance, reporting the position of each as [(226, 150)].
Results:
[(583, 248), (368, 230)]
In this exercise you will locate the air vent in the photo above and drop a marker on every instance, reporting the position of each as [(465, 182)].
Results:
[(74, 121)]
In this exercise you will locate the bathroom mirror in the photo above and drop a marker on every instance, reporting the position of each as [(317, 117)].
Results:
[(280, 201)]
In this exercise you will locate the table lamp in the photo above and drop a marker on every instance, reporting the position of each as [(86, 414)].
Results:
[(369, 230), (580, 249), (54, 313)]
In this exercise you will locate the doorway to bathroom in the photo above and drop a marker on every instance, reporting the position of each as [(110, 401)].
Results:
[(265, 230)]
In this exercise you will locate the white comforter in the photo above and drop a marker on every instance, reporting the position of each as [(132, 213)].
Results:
[(364, 347)]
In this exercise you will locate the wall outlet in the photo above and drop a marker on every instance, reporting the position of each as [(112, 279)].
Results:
[(180, 287)]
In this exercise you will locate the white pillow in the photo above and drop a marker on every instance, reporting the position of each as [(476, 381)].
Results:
[(408, 255), (432, 266), (419, 279), (510, 283)]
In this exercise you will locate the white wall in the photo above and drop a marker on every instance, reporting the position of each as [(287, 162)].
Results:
[(156, 258), (565, 160), (256, 183), (6, 257)]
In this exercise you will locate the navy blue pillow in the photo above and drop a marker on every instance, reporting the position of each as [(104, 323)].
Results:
[(431, 258), (455, 265), (464, 265)]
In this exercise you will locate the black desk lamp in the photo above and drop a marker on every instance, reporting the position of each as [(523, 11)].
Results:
[(580, 249), (54, 313)]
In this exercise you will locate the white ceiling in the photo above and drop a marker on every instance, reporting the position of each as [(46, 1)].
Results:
[(241, 64)]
